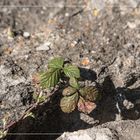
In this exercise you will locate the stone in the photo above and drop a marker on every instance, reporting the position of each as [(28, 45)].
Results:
[(89, 134), (26, 35), (76, 136), (44, 47)]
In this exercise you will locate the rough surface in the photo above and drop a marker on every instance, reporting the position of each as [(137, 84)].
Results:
[(101, 37), (108, 131)]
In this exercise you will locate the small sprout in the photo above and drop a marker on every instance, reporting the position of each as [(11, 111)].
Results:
[(74, 95)]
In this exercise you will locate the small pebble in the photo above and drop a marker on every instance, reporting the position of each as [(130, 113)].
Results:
[(42, 12), (67, 14), (73, 44), (44, 47), (93, 51), (85, 61), (131, 25), (26, 35), (128, 104), (95, 12)]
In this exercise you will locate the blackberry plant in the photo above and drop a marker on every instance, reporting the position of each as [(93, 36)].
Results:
[(74, 96)]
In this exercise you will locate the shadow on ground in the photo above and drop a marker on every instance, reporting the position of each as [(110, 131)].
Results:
[(50, 122)]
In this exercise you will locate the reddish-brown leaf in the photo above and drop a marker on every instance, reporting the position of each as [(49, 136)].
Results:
[(86, 106)]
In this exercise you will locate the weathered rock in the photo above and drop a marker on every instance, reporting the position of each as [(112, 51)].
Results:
[(15, 91), (44, 47), (124, 130)]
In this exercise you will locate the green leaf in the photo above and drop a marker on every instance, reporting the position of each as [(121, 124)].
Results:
[(72, 71), (56, 63), (69, 103), (29, 114), (68, 91), (50, 78), (74, 83), (90, 93)]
